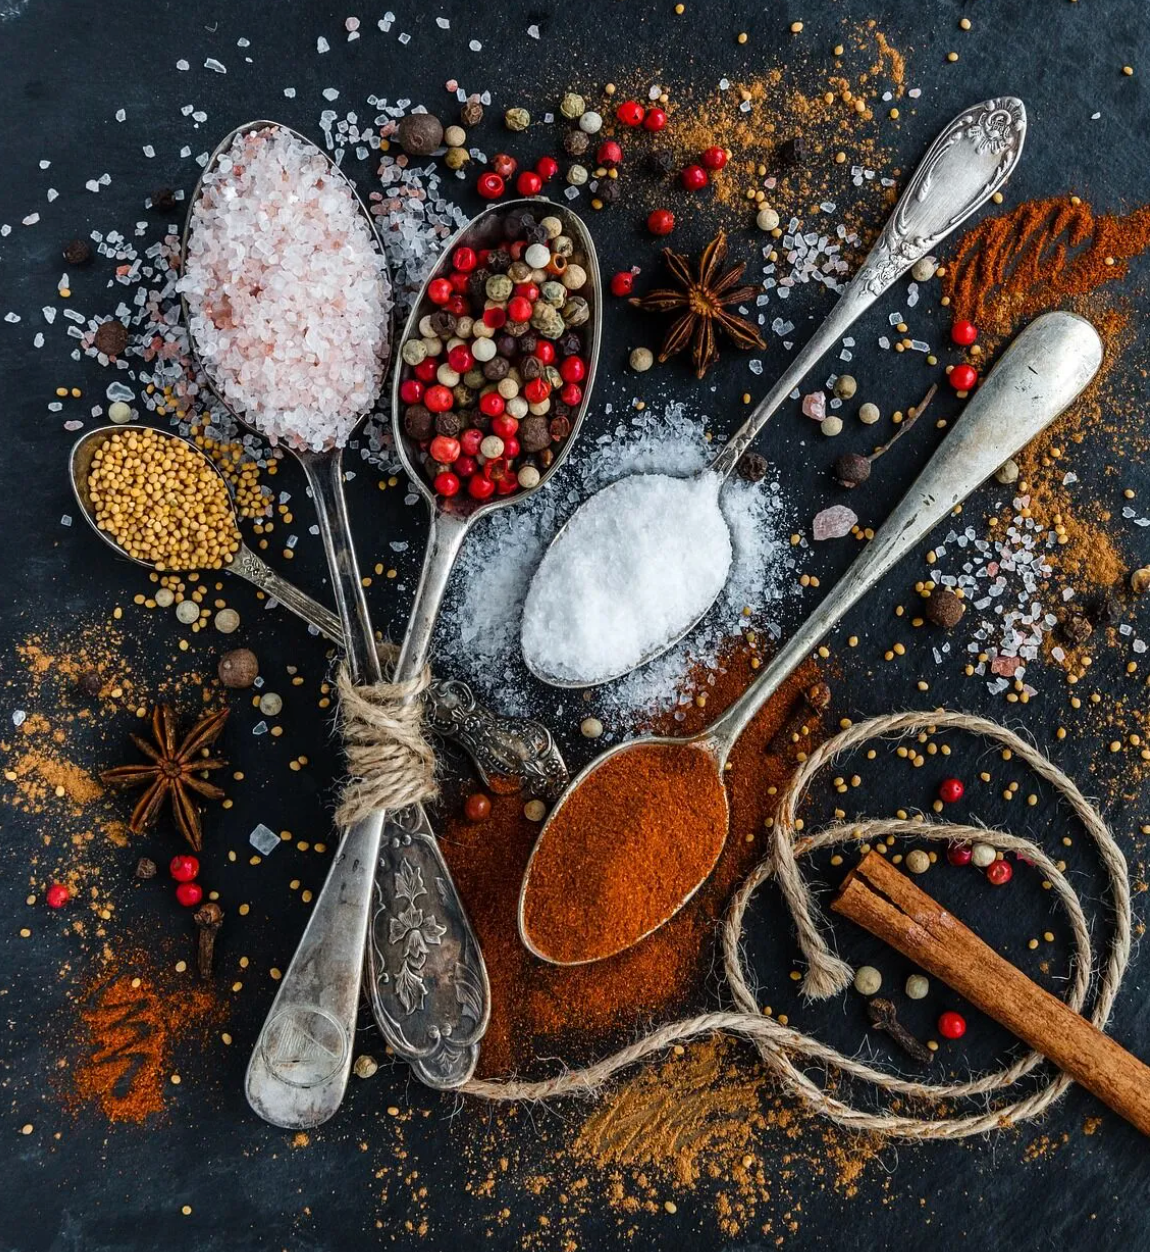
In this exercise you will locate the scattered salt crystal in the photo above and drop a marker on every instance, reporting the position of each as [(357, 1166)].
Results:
[(475, 45), (217, 67), (352, 23), (533, 32), (815, 405), (443, 23), (330, 93), (833, 523), (31, 219), (181, 64), (289, 92), (322, 45), (18, 716), (264, 840)]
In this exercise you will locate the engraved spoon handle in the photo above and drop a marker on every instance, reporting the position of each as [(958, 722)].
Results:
[(968, 162)]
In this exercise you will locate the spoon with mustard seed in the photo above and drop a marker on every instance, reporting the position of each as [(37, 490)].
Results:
[(640, 829)]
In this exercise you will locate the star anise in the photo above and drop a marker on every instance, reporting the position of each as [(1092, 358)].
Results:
[(703, 299), (173, 771)]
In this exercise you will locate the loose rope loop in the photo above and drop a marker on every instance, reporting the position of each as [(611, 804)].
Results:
[(787, 1053)]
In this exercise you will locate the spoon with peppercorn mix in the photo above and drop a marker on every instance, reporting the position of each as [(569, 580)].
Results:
[(639, 564), (640, 829)]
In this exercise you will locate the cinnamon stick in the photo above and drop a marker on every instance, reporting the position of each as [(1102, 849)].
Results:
[(883, 900)]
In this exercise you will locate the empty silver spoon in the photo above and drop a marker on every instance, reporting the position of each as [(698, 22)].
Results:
[(972, 157), (507, 752), (1038, 377)]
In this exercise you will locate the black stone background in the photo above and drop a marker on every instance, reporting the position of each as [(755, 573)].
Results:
[(77, 1184)]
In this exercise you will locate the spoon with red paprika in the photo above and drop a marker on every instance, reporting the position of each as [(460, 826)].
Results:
[(640, 829)]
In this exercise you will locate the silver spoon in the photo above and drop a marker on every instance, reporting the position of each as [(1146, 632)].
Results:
[(972, 157), (507, 752), (301, 1062), (1038, 377)]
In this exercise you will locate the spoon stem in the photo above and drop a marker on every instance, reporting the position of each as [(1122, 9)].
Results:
[(443, 543)]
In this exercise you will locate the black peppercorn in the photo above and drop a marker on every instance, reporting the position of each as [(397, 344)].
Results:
[(752, 467), (538, 233), (471, 114), (534, 434), (851, 469), (944, 608), (443, 323), (499, 261), (571, 343), (419, 134), (529, 342), (506, 345), (448, 424), (531, 368), (560, 428), (418, 423), (793, 151), (111, 338), (145, 868), (77, 252), (516, 225), (660, 162), (90, 682), (608, 190), (559, 409), (164, 199), (576, 143), (498, 368)]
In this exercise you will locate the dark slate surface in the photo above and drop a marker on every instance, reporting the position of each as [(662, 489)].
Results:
[(75, 1183)]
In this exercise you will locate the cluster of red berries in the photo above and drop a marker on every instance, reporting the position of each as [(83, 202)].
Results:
[(492, 183), (632, 113), (185, 869), (963, 377), (695, 177)]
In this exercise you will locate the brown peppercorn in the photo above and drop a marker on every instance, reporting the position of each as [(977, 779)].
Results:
[(576, 143), (660, 162), (608, 190), (1140, 581), (444, 323), (1075, 629), (419, 134), (238, 668), (145, 868), (851, 469), (448, 424), (534, 434), (418, 423), (560, 428), (111, 338), (793, 151), (77, 252), (752, 467), (90, 682), (531, 368), (164, 199), (472, 113), (944, 608), (499, 367)]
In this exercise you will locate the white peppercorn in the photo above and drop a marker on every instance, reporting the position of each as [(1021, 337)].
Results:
[(867, 980), (455, 137), (917, 861), (119, 413), (516, 119), (831, 425), (483, 349), (446, 375), (869, 414), (165, 597), (641, 360), (538, 256), (591, 727), (491, 447), (924, 269), (982, 855), (574, 276), (590, 122), (227, 621), (187, 612), (1007, 472), (767, 219), (271, 704), (552, 225), (917, 987), (528, 477)]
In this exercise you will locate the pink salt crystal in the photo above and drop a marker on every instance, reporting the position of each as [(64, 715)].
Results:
[(833, 523), (815, 405), (452, 84), (352, 23), (1007, 666)]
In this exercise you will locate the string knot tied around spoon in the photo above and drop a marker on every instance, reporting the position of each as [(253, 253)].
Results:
[(390, 762)]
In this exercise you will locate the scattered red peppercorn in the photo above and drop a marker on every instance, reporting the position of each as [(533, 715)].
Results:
[(529, 183), (447, 483), (963, 377), (547, 167), (477, 807), (504, 426), (573, 369), (714, 158), (504, 165), (489, 185), (458, 281), (609, 153), (470, 440), (951, 1025), (631, 113), (544, 351), (464, 259), (623, 283), (661, 221), (439, 291), (964, 332), (460, 358), (959, 853), (57, 896), (656, 119), (491, 403), (189, 894), (951, 790), (184, 867), (999, 873), (694, 178)]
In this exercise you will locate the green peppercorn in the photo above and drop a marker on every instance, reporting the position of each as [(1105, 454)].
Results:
[(572, 106), (456, 158), (517, 119)]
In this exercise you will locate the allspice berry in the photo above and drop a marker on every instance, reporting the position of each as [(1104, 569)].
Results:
[(1140, 581), (944, 608), (851, 469), (238, 668), (90, 682), (419, 134), (472, 113), (145, 868), (111, 338), (77, 252), (752, 467)]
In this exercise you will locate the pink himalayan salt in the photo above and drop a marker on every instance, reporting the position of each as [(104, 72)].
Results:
[(815, 405), (833, 523)]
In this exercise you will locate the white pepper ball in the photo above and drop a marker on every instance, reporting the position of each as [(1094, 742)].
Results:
[(867, 980), (119, 413), (528, 477), (491, 447), (641, 360), (767, 219), (591, 123), (464, 327), (982, 855), (917, 987), (483, 349), (425, 327), (187, 612), (590, 728), (552, 225), (433, 345), (869, 414), (165, 597), (577, 175), (226, 621), (540, 409), (508, 388), (414, 351), (271, 704), (538, 256), (535, 810), (924, 269), (845, 386), (917, 861), (446, 375), (1007, 472), (574, 276), (831, 425), (518, 408), (455, 137), (480, 330)]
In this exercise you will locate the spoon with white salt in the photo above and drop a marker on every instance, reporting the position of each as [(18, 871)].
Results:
[(638, 564), (587, 850)]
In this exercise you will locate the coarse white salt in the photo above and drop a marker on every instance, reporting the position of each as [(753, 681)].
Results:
[(633, 569), (288, 296)]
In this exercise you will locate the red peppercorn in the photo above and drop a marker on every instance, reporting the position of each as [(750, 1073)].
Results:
[(444, 449), (504, 165), (184, 867), (623, 283), (507, 484), (438, 398), (57, 896), (951, 1025), (573, 369), (714, 158), (411, 391), (999, 873), (504, 426), (465, 466), (457, 306), (189, 894), (460, 358), (959, 853), (694, 178), (536, 391), (425, 370), (477, 807), (544, 351), (458, 281), (519, 309), (439, 291), (510, 447), (494, 318), (529, 291), (529, 183), (491, 403), (446, 484), (489, 185), (661, 222), (656, 119), (571, 394), (464, 259), (609, 153), (951, 790), (480, 488), (963, 377), (547, 167), (964, 333), (470, 440), (631, 113)]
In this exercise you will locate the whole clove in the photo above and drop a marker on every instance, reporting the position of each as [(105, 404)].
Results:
[(812, 702), (853, 469), (208, 920), (884, 1016)]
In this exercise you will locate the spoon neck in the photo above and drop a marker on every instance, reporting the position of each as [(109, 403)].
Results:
[(443, 544)]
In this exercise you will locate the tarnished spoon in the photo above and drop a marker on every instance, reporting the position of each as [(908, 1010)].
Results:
[(508, 753), (972, 157), (1038, 377)]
